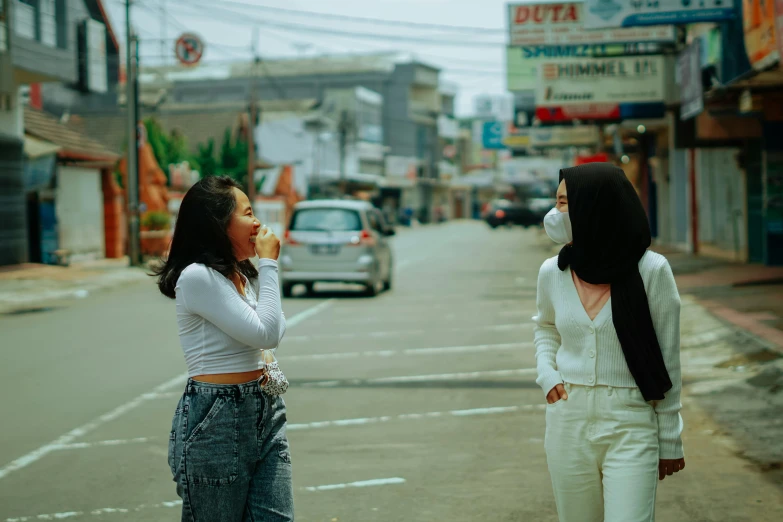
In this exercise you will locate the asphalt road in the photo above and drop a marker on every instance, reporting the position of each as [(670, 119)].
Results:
[(417, 405)]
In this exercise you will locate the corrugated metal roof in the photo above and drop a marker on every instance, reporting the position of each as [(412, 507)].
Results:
[(46, 127)]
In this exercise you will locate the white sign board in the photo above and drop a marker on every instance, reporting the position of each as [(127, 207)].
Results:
[(97, 73), (494, 107), (563, 23), (559, 136), (601, 80), (601, 14)]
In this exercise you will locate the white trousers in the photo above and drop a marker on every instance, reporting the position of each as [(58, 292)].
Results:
[(602, 451)]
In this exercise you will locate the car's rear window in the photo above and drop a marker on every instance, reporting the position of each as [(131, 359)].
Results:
[(326, 219)]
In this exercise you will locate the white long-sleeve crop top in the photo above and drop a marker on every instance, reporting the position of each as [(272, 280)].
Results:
[(220, 330)]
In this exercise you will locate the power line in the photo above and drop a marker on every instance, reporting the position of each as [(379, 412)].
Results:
[(235, 17), (347, 35), (365, 20)]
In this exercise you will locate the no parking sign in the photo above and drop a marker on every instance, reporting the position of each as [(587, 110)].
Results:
[(189, 49)]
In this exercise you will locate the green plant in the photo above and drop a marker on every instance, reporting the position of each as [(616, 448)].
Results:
[(156, 220), (205, 159), (168, 148), (233, 158)]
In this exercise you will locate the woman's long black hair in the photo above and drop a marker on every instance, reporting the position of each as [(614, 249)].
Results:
[(200, 235)]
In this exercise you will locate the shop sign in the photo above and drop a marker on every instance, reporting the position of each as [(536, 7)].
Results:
[(758, 22), (602, 14), (522, 62), (563, 23), (577, 136), (779, 26), (601, 81), (690, 80)]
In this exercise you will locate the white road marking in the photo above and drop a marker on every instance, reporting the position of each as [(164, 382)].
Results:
[(461, 375), (361, 484), (407, 351), (414, 416), (398, 333), (495, 410), (421, 378), (72, 435), (95, 512), (409, 317), (115, 442), (63, 515)]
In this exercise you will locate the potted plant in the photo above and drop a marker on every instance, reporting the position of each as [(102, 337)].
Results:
[(155, 233)]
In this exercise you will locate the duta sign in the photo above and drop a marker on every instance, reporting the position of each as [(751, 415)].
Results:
[(563, 23)]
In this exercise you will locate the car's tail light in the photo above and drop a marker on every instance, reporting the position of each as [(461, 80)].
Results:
[(364, 238), (287, 239), (500, 214)]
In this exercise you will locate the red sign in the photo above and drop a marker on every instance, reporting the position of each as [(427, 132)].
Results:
[(587, 111), (601, 157), (758, 20), (189, 49), (546, 13)]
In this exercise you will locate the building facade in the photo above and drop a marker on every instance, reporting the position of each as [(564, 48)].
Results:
[(67, 45)]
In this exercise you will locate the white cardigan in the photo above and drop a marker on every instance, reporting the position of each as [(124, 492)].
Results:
[(572, 348)]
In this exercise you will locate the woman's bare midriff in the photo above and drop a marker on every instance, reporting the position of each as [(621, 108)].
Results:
[(230, 378)]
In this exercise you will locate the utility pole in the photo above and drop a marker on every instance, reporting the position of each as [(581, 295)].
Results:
[(164, 50), (344, 128), (251, 122), (131, 84)]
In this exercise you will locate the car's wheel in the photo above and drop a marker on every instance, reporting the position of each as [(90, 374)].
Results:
[(309, 288), (288, 289), (371, 290), (387, 285)]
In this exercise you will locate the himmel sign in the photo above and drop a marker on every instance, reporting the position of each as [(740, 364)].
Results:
[(601, 81)]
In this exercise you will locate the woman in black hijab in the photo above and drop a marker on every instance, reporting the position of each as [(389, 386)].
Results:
[(608, 352)]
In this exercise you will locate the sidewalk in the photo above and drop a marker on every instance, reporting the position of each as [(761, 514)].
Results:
[(29, 287), (747, 296)]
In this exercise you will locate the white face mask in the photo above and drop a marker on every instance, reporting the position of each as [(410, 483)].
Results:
[(558, 226)]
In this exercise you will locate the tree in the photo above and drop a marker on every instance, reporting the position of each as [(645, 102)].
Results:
[(206, 159), (168, 148), (233, 158)]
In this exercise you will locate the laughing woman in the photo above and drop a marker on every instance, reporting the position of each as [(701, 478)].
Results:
[(608, 352), (228, 450)]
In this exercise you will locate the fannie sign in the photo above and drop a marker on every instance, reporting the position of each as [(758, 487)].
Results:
[(596, 80), (563, 23)]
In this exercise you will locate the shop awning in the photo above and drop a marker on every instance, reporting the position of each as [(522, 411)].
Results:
[(35, 148)]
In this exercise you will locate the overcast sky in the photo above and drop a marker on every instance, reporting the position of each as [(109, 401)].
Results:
[(475, 61)]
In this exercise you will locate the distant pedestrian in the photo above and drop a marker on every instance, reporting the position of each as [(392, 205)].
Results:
[(228, 450), (607, 342)]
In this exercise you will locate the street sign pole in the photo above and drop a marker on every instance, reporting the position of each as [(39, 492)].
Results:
[(131, 54), (251, 122)]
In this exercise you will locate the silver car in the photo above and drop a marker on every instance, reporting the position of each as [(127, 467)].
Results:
[(341, 241)]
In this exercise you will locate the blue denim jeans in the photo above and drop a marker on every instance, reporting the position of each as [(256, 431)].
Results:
[(229, 454)]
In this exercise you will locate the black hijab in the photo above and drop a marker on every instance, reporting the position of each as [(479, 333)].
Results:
[(611, 234)]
